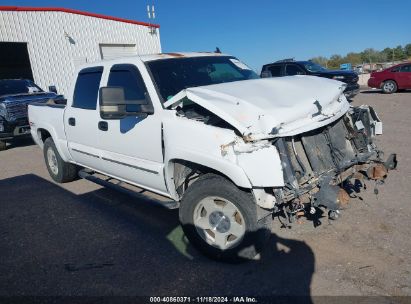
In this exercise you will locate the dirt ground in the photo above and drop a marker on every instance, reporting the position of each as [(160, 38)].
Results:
[(81, 239)]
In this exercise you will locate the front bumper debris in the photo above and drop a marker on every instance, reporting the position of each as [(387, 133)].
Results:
[(318, 164), (352, 90)]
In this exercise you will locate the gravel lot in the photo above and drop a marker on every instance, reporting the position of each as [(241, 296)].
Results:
[(81, 239)]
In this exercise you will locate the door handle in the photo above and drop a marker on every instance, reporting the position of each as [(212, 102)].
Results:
[(72, 121), (103, 125)]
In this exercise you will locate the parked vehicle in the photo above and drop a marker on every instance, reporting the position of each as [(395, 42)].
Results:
[(290, 67), (390, 80), (345, 67), (359, 69), (15, 95), (202, 129)]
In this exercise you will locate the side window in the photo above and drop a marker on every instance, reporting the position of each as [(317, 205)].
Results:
[(275, 70), (128, 77), (293, 69), (86, 89), (406, 68)]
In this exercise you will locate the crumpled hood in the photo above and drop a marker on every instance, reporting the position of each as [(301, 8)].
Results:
[(271, 107)]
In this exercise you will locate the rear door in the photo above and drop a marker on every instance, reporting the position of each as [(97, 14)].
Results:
[(81, 118), (403, 77)]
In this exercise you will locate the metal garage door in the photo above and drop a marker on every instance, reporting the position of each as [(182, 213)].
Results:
[(111, 51)]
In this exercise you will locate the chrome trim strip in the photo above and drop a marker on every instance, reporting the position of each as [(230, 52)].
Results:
[(86, 153), (128, 165)]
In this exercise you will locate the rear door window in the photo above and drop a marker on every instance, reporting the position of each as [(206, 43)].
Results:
[(293, 69), (275, 70), (86, 89)]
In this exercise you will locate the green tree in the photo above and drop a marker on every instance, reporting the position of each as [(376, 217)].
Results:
[(320, 60), (335, 61), (388, 53), (407, 49), (399, 53), (353, 58), (371, 56)]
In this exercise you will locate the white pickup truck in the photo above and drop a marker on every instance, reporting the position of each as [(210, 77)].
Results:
[(202, 129)]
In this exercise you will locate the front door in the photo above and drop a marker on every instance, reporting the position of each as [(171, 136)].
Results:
[(403, 77), (131, 148)]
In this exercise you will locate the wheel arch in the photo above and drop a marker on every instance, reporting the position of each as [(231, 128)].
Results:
[(180, 173), (389, 79), (43, 133)]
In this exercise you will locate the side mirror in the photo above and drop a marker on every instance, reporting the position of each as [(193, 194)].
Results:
[(53, 89), (113, 104), (266, 74)]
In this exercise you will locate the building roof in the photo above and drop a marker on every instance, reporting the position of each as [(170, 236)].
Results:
[(72, 11)]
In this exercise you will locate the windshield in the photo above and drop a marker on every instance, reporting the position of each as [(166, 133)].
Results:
[(314, 67), (18, 86), (173, 75)]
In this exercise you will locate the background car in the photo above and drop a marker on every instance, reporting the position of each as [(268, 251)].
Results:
[(390, 80), (289, 67), (15, 95)]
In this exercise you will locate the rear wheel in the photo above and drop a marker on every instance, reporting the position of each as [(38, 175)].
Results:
[(389, 86), (222, 221), (2, 145), (59, 170)]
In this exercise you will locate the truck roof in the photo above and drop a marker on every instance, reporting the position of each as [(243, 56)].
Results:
[(152, 57)]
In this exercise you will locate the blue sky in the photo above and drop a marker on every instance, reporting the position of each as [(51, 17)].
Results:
[(263, 31)]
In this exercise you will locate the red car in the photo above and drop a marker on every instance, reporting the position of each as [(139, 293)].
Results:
[(390, 80)]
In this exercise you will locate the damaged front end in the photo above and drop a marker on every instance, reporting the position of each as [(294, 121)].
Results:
[(297, 145), (317, 165)]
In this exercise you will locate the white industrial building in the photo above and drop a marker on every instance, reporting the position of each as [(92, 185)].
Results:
[(46, 44)]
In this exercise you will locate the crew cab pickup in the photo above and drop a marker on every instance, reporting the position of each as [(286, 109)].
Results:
[(228, 147)]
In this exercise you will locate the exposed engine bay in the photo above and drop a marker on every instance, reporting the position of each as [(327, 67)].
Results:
[(193, 111), (319, 165)]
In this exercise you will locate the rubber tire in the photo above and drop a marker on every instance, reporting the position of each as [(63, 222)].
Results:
[(257, 232), (388, 92), (66, 172), (3, 145)]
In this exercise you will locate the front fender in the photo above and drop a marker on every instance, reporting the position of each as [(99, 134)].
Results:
[(233, 172), (247, 165)]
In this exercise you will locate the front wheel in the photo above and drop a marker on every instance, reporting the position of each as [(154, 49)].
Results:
[(222, 221), (59, 170), (389, 86)]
